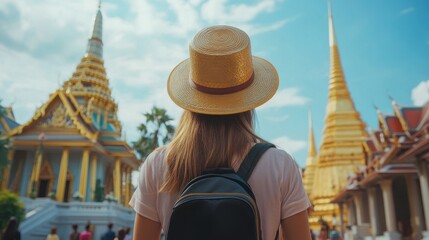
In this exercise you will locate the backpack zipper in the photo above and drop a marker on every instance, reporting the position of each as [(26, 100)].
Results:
[(192, 196)]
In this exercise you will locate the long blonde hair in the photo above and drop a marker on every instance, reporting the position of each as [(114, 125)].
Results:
[(204, 142)]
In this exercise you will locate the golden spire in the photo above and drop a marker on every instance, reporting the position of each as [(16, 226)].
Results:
[(339, 95), (312, 151), (311, 157), (89, 84), (341, 147)]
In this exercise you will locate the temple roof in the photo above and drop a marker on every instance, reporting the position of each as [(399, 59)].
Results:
[(7, 122), (60, 111)]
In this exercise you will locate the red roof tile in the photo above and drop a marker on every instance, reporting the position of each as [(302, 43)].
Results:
[(412, 117), (393, 124)]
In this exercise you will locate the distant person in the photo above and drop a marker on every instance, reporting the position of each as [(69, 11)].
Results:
[(349, 234), (121, 234), (53, 235), (86, 235), (109, 234), (334, 234), (313, 237), (74, 235), (127, 233), (323, 234), (11, 232)]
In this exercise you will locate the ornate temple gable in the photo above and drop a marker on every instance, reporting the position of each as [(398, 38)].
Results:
[(57, 118), (59, 112)]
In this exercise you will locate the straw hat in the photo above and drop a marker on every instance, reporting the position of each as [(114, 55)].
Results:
[(221, 76)]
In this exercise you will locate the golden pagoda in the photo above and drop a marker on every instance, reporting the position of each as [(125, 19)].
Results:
[(74, 140), (341, 148), (311, 158)]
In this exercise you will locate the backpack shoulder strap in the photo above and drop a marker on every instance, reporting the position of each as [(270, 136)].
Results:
[(252, 158)]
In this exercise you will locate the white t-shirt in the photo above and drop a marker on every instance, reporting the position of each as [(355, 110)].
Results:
[(275, 181)]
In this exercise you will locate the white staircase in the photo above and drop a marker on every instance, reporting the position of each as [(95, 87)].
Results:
[(42, 214)]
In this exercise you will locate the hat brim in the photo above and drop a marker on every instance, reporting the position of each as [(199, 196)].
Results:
[(262, 89)]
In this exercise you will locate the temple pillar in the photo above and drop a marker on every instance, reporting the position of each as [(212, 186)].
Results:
[(372, 200), (341, 209), (84, 174), (62, 176), (389, 210), (357, 198), (93, 175), (351, 213), (6, 172), (416, 210), (98, 117), (422, 169), (105, 118), (117, 179), (363, 225), (35, 173), (127, 186)]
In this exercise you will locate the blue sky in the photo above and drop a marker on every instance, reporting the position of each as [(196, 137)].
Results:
[(384, 48)]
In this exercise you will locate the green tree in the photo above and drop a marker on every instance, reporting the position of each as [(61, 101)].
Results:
[(4, 147), (10, 207), (155, 131)]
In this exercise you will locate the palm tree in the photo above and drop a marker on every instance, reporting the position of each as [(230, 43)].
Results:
[(155, 131)]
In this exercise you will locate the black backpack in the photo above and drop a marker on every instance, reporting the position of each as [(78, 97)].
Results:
[(219, 204)]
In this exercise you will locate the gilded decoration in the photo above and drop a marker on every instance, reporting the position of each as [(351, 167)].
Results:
[(58, 118)]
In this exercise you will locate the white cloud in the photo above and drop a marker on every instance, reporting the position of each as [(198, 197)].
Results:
[(217, 11), (285, 97), (26, 81), (143, 40), (406, 11), (420, 94), (289, 145)]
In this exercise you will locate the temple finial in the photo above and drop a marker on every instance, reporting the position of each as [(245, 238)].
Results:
[(95, 43), (332, 40), (392, 99), (375, 107)]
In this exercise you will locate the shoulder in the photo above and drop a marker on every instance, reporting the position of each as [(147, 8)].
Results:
[(155, 162), (278, 158), (157, 156)]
